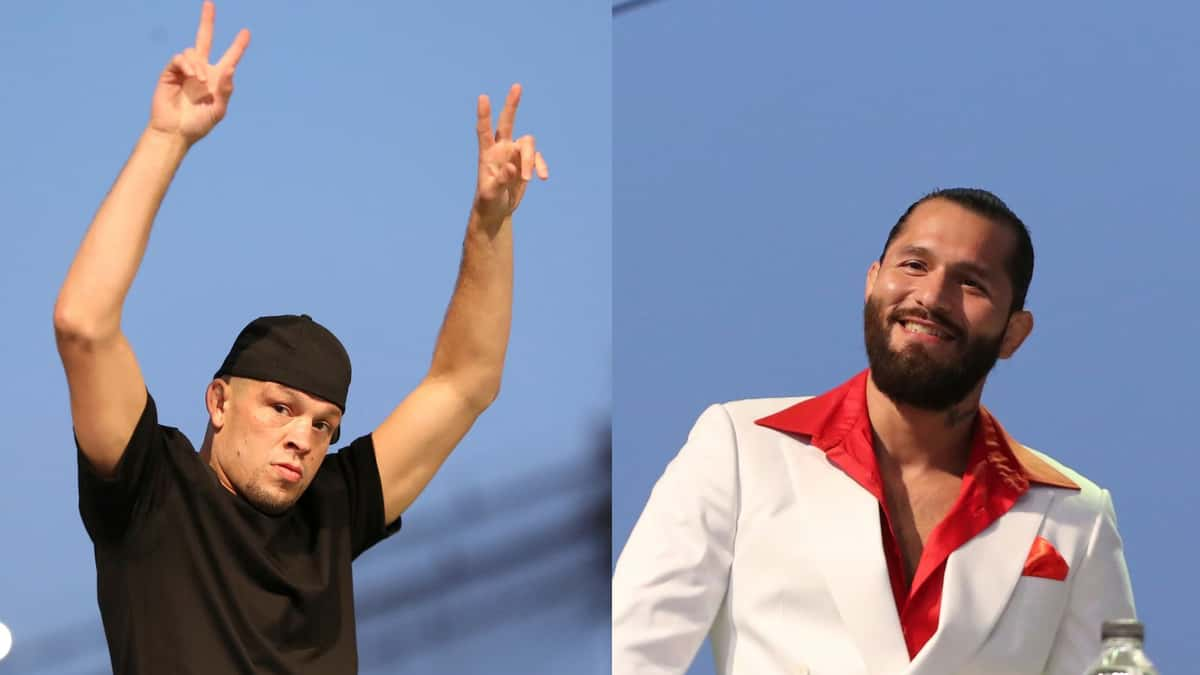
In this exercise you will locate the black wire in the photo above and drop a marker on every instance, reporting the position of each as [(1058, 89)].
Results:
[(515, 552), (629, 6), (550, 591)]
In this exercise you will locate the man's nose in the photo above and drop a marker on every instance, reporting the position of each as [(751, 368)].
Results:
[(934, 291), (301, 436)]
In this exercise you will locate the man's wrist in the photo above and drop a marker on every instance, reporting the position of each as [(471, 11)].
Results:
[(166, 141), (487, 222)]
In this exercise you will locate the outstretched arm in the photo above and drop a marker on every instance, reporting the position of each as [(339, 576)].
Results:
[(414, 441), (107, 390)]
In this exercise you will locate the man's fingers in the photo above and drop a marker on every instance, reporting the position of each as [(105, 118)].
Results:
[(230, 58), (483, 122), (504, 127), (528, 152), (225, 83), (181, 66), (198, 65), (543, 171), (204, 33), (176, 66), (498, 175)]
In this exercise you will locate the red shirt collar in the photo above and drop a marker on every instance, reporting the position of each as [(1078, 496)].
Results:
[(828, 418)]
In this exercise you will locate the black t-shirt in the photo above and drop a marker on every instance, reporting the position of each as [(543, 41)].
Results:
[(192, 579)]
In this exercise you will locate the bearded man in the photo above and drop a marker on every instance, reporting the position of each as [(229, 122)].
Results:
[(890, 525)]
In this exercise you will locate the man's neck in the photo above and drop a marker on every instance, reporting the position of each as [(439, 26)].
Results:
[(922, 440), (206, 456)]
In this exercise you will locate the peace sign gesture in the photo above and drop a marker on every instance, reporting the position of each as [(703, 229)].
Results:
[(192, 94), (505, 166)]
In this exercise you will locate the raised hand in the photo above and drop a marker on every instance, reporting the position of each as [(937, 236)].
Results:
[(505, 166), (192, 94)]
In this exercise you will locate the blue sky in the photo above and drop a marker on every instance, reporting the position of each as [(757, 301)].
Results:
[(338, 185), (762, 150), (751, 156)]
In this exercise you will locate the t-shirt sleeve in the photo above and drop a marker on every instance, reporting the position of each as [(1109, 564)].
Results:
[(356, 465), (112, 507)]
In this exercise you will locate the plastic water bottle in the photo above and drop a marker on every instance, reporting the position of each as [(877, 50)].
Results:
[(1122, 651)]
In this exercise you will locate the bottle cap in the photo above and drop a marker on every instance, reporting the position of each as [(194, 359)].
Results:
[(1123, 628)]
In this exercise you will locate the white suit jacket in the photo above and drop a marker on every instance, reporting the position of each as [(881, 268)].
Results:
[(753, 537)]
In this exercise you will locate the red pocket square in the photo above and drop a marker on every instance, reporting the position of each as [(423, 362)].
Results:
[(1045, 561)]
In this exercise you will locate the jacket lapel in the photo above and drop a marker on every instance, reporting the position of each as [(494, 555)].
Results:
[(980, 577), (841, 522)]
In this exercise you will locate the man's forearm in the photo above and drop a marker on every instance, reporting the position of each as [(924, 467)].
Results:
[(474, 337), (103, 270)]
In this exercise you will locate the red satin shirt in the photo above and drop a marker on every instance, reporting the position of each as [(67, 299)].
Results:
[(995, 477)]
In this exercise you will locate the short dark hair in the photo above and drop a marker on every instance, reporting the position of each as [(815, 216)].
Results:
[(988, 205)]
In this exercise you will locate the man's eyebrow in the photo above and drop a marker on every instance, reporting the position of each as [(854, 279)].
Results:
[(276, 392), (323, 409), (975, 269), (972, 267), (913, 249)]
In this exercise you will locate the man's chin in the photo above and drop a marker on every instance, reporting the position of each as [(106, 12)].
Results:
[(918, 360), (270, 501)]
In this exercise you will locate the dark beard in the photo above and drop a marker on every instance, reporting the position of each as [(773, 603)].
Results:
[(912, 377)]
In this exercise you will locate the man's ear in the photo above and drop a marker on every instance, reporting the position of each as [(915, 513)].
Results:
[(216, 399), (1020, 325), (872, 274)]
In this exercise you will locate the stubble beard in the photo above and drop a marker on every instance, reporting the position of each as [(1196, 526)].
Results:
[(258, 488), (265, 499)]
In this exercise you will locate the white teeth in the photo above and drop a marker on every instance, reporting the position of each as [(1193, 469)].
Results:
[(922, 328)]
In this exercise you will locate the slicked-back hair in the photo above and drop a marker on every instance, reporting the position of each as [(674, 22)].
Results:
[(985, 204)]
